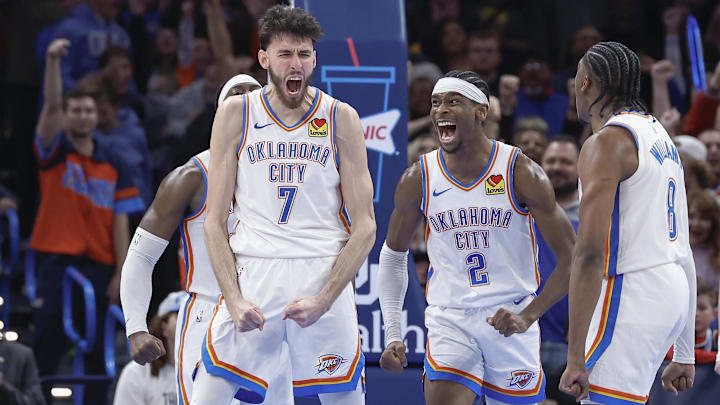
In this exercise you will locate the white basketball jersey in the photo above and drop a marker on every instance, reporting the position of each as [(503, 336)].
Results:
[(649, 225), (287, 193), (480, 242), (199, 275)]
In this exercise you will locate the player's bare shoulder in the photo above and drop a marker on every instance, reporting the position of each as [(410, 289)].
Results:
[(347, 119), (408, 192), (183, 183), (612, 147), (532, 185)]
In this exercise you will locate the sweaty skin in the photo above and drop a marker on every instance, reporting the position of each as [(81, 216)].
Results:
[(469, 155)]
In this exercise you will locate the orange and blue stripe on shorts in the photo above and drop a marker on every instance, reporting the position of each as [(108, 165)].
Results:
[(613, 397), (253, 388), (348, 382), (611, 300), (434, 371), (182, 392)]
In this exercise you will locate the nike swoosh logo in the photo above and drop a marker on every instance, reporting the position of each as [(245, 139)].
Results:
[(262, 126), (435, 193)]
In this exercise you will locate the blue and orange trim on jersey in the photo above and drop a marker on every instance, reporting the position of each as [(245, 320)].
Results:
[(511, 187), (255, 387), (303, 120), (185, 234), (333, 144), (533, 241), (182, 392), (613, 397), (425, 202), (348, 382), (457, 183), (342, 212), (626, 126), (613, 239), (245, 124), (434, 371)]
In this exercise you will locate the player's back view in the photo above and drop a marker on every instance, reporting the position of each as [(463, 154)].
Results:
[(633, 277)]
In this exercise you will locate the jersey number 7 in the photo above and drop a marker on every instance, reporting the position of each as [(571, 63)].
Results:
[(288, 193)]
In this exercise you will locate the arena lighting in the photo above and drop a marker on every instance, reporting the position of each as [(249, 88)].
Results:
[(11, 336), (2, 325), (2, 301), (61, 392)]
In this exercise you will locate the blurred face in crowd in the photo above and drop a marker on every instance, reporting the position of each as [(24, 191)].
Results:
[(535, 78), (166, 42), (122, 73), (454, 38), (107, 9), (419, 97), (711, 139), (560, 163), (455, 118), (705, 313), (421, 146), (80, 115), (106, 113), (484, 54), (211, 84), (168, 327), (202, 54), (700, 225), (584, 38), (532, 143), (290, 60)]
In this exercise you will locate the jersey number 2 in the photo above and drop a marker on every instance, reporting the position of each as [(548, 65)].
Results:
[(477, 273), (672, 217), (287, 193)]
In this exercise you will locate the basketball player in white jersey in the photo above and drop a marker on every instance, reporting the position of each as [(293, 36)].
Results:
[(480, 199), (632, 289), (291, 159), (183, 189)]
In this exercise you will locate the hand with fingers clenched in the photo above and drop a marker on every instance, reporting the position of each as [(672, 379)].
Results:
[(678, 377), (393, 357), (145, 347), (575, 381), (306, 311), (507, 322), (245, 315)]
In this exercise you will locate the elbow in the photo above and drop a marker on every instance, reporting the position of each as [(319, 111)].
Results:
[(211, 228), (589, 259), (366, 233)]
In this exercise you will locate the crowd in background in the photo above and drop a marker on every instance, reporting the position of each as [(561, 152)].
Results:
[(154, 67)]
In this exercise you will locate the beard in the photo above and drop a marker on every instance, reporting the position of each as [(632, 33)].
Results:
[(566, 189), (280, 86)]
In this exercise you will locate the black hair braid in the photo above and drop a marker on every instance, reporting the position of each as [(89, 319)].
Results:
[(617, 69)]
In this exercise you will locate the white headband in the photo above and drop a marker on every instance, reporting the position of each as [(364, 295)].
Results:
[(234, 81), (465, 89)]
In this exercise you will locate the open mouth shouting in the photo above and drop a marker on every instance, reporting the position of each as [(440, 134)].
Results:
[(294, 85), (446, 130)]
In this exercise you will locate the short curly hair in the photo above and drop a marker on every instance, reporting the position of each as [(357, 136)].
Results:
[(287, 20)]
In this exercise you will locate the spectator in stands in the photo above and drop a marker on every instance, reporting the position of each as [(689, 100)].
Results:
[(711, 139), (454, 46), (120, 129), (704, 221), (163, 79), (116, 67), (19, 381), (8, 200), (531, 137), (91, 28), (585, 37), (154, 383), (89, 184), (706, 338), (560, 163), (537, 97), (703, 110), (421, 80), (698, 176), (485, 57)]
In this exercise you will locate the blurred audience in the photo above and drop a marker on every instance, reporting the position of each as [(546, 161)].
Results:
[(19, 381), (531, 137), (154, 383), (704, 221)]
